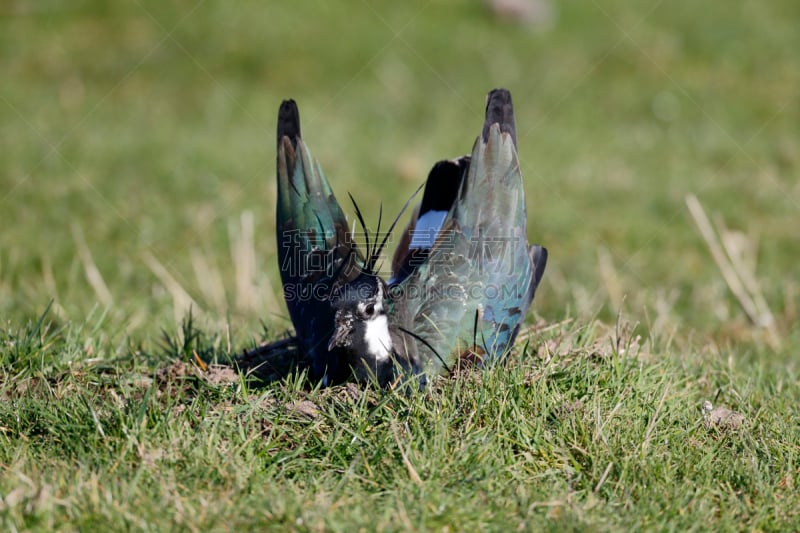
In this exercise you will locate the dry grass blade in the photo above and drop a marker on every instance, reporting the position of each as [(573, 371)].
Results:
[(93, 275), (412, 472), (49, 281), (181, 300), (734, 273), (209, 280), (250, 295), (604, 477), (651, 426), (742, 252), (540, 329), (610, 278), (244, 261)]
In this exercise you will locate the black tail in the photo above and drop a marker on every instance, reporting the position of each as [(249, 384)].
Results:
[(500, 110), (441, 190), (442, 185)]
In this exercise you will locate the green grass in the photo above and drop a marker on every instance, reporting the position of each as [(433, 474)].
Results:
[(136, 154)]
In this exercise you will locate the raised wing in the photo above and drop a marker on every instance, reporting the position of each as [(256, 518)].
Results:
[(477, 285), (315, 250)]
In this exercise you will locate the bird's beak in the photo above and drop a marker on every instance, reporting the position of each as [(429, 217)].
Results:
[(339, 338), (341, 335)]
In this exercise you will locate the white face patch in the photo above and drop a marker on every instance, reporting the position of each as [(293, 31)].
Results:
[(426, 229), (379, 341), (376, 334)]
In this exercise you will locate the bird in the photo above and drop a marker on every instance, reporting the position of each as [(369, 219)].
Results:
[(316, 249), (475, 284), (318, 254)]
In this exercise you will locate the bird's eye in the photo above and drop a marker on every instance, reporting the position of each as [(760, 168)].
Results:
[(369, 310)]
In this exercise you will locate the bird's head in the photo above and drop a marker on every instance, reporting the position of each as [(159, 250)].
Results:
[(362, 327)]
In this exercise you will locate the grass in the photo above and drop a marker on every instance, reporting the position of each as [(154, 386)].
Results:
[(603, 435), (136, 182)]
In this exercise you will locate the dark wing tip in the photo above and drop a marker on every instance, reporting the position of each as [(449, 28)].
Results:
[(500, 110), (539, 257), (288, 121)]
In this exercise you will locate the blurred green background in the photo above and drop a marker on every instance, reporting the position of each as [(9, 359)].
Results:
[(138, 137)]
